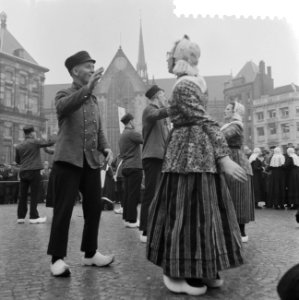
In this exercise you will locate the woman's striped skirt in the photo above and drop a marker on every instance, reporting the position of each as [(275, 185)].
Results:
[(242, 194), (192, 226)]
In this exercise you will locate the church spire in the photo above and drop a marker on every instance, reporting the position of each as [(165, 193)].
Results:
[(141, 64)]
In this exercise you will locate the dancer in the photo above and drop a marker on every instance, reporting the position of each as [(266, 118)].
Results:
[(77, 164), (242, 193), (155, 132), (192, 227), (130, 152), (259, 182), (276, 187), (29, 157)]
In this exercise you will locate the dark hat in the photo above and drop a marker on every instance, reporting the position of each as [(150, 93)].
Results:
[(152, 91), (77, 59), (28, 129), (126, 118), (288, 286)]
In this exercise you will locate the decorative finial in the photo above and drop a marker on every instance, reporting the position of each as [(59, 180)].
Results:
[(3, 18)]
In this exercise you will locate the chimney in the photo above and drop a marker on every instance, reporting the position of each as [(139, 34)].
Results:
[(269, 72), (262, 67)]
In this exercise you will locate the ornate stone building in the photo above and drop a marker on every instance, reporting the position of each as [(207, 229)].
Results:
[(21, 92), (250, 83), (276, 118)]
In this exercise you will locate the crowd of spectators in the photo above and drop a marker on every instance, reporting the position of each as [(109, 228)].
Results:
[(10, 183)]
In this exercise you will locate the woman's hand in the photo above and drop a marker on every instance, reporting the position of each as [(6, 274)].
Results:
[(232, 169)]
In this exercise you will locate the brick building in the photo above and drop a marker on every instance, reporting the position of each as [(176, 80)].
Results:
[(21, 92), (250, 83)]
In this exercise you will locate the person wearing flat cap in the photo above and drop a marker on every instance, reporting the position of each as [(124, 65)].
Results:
[(130, 153), (76, 167), (155, 132), (29, 158)]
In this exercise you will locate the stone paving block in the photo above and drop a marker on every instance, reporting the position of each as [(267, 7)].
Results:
[(24, 266)]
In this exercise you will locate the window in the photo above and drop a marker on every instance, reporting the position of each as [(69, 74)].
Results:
[(23, 79), (272, 113), (9, 76), (33, 104), (272, 129), (35, 85), (260, 116), (285, 128), (7, 130), (8, 97), (22, 105), (21, 132), (284, 112), (7, 154), (260, 131)]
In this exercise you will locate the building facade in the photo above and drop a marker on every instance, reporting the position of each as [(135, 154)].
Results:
[(121, 87), (21, 92), (276, 118), (250, 83)]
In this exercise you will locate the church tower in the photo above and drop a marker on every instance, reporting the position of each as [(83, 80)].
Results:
[(141, 64)]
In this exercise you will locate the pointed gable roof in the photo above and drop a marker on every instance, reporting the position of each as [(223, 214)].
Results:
[(11, 47), (248, 72), (120, 63)]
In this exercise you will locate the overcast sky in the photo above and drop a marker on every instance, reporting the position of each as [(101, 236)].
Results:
[(51, 30)]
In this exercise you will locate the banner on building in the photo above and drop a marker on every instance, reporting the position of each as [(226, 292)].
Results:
[(121, 113)]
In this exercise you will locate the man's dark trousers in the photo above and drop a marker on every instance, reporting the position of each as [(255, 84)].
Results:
[(67, 179), (132, 186), (32, 179), (152, 170)]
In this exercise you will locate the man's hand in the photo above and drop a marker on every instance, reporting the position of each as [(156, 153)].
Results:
[(94, 78), (44, 136), (109, 156), (231, 168)]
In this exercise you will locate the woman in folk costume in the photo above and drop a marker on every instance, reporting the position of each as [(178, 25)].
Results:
[(192, 227), (256, 160), (292, 166), (276, 187), (242, 193)]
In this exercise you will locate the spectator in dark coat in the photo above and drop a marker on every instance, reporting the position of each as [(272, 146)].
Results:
[(130, 152), (256, 160), (155, 131), (29, 157), (292, 169)]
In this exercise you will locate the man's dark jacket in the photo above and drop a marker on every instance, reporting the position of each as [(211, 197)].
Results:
[(80, 129)]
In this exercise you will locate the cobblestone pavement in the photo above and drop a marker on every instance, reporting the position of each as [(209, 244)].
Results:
[(24, 267)]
